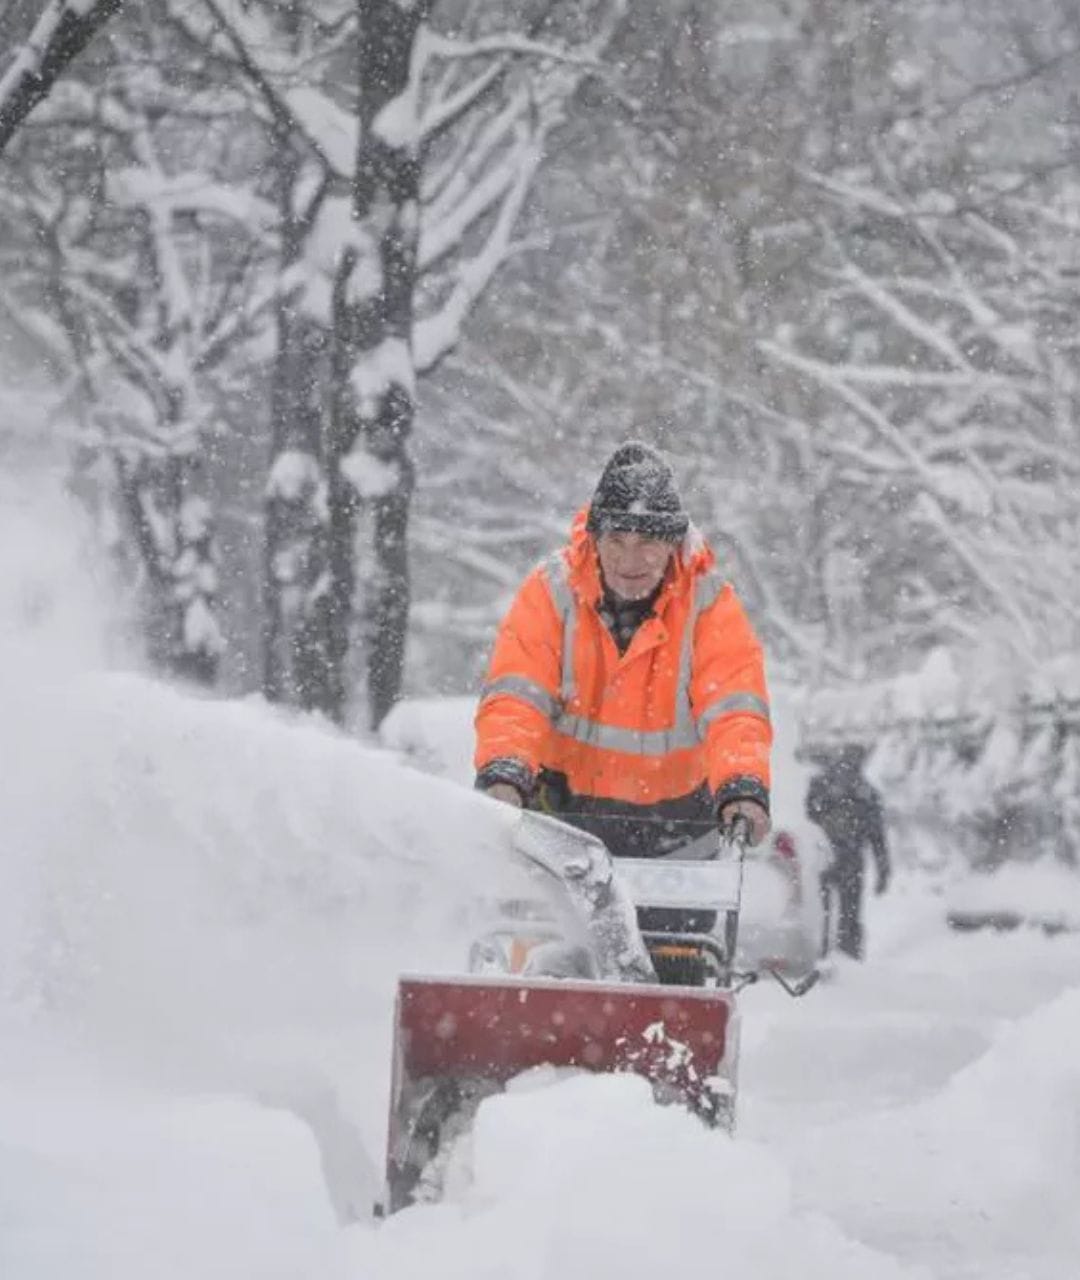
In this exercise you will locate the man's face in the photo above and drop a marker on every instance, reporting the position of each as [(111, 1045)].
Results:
[(633, 565)]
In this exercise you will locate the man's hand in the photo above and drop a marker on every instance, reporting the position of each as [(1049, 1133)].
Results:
[(505, 792), (753, 812)]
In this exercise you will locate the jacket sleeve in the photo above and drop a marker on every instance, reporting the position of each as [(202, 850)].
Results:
[(816, 802), (520, 697), (730, 701)]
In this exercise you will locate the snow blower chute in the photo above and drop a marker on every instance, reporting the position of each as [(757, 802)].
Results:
[(646, 985)]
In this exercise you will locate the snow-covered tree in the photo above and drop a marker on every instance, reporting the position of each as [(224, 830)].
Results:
[(705, 240), (674, 206), (942, 342), (385, 155), (450, 144), (401, 193), (796, 247), (140, 256), (40, 54)]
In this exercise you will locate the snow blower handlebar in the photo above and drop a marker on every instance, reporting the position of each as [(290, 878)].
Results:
[(736, 835), (734, 838), (605, 892)]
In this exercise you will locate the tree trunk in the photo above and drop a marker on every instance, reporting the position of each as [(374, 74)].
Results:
[(295, 658), (171, 525), (374, 384)]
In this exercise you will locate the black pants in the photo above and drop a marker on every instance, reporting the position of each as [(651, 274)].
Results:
[(842, 905)]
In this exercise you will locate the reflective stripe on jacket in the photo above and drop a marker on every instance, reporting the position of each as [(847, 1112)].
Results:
[(686, 704)]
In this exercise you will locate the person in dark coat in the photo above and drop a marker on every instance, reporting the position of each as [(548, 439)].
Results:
[(848, 810)]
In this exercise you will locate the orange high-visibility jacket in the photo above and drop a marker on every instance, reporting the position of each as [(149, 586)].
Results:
[(685, 705)]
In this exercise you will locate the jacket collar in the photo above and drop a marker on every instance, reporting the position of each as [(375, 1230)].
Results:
[(693, 557)]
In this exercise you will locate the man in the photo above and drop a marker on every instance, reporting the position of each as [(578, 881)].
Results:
[(626, 692), (848, 810)]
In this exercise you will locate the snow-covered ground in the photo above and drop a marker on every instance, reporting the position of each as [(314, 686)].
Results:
[(202, 910)]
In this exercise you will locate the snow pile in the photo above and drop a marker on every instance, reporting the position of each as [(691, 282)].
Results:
[(435, 734), (988, 1168), (587, 1178), (1045, 894), (108, 1183), (173, 859), (53, 613)]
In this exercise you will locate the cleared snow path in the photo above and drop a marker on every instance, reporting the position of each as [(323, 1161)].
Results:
[(929, 1101)]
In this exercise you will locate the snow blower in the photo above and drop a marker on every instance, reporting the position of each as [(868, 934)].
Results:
[(646, 984)]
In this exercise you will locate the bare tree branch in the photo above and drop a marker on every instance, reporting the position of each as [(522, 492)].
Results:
[(64, 29)]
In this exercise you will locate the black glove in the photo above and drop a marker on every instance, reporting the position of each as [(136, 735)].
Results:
[(883, 877)]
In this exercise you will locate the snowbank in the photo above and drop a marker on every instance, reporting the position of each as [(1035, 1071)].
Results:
[(586, 1178), (991, 1158), (1042, 894), (106, 1183), (178, 869)]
